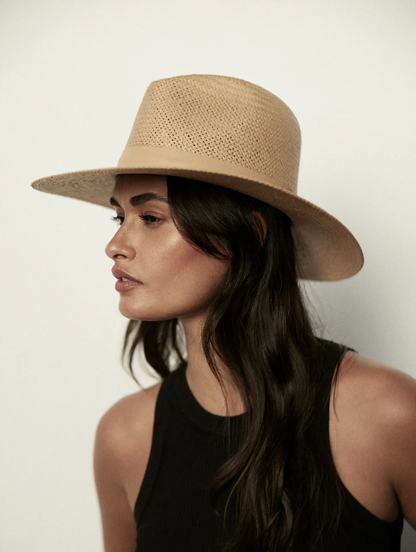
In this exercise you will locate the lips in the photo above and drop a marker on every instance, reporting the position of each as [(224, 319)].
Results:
[(117, 273)]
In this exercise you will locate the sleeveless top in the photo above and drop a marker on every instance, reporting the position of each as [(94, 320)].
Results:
[(172, 511)]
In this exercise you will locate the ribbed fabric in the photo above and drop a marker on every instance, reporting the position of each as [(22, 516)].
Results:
[(172, 511)]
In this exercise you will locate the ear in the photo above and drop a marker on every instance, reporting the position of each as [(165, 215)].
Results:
[(263, 225)]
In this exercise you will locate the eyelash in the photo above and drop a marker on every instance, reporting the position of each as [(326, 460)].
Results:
[(120, 219)]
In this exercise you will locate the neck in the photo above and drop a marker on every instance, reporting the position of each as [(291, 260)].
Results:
[(202, 382)]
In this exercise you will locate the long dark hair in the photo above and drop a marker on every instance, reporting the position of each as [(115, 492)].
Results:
[(259, 327)]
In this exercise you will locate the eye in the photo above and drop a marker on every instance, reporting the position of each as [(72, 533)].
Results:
[(118, 219), (146, 218)]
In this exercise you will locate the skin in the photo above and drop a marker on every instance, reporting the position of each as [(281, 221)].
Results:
[(372, 411), (179, 281)]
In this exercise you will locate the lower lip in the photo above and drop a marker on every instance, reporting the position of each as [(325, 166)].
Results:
[(126, 286)]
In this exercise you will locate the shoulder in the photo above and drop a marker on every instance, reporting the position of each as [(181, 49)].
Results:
[(386, 393), (124, 426), (378, 403), (128, 410), (121, 450)]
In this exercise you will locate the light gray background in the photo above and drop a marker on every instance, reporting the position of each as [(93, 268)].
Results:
[(72, 77)]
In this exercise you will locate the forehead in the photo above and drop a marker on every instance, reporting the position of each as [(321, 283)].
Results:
[(133, 184)]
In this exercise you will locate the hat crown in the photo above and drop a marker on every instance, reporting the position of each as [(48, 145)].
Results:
[(232, 133), (222, 118)]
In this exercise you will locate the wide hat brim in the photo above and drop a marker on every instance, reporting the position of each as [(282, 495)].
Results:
[(231, 133), (326, 249)]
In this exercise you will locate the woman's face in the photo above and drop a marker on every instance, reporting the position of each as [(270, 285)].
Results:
[(178, 281)]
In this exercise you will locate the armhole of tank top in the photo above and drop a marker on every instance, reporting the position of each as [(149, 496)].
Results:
[(354, 510), (158, 434)]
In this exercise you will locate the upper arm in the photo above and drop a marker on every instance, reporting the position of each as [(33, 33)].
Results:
[(401, 432), (118, 524), (384, 399)]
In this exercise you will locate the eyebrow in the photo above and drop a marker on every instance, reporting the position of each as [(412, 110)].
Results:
[(135, 201)]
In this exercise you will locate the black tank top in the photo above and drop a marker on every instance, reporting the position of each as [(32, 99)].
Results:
[(172, 511)]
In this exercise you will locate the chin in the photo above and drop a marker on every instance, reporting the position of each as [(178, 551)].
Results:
[(143, 314)]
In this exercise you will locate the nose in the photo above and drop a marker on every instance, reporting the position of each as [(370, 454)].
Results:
[(119, 246)]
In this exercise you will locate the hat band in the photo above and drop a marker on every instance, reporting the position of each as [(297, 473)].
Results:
[(183, 163)]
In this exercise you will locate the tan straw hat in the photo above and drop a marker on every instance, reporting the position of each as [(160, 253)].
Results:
[(232, 133)]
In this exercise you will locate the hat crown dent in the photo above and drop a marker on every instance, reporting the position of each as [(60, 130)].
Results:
[(224, 119)]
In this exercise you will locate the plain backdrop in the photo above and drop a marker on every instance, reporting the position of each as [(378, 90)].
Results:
[(72, 77)]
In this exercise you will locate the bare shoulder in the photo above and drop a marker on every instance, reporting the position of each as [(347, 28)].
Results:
[(124, 435), (128, 417), (373, 410), (388, 393), (128, 414), (121, 452)]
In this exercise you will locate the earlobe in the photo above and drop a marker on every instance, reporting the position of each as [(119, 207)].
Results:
[(263, 224)]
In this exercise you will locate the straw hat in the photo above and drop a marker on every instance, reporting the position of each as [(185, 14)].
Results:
[(232, 133)]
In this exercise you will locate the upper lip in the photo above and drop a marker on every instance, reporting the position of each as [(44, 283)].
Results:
[(117, 273)]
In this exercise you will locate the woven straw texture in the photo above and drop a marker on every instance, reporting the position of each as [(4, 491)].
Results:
[(231, 133), (225, 119)]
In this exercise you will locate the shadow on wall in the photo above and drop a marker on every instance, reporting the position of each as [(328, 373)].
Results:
[(408, 539)]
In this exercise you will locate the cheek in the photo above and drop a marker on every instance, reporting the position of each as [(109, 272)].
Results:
[(190, 272), (179, 280), (185, 281)]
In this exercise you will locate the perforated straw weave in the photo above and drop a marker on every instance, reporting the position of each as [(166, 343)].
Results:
[(225, 119), (231, 133)]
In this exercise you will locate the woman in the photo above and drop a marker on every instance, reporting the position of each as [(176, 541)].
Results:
[(259, 436)]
